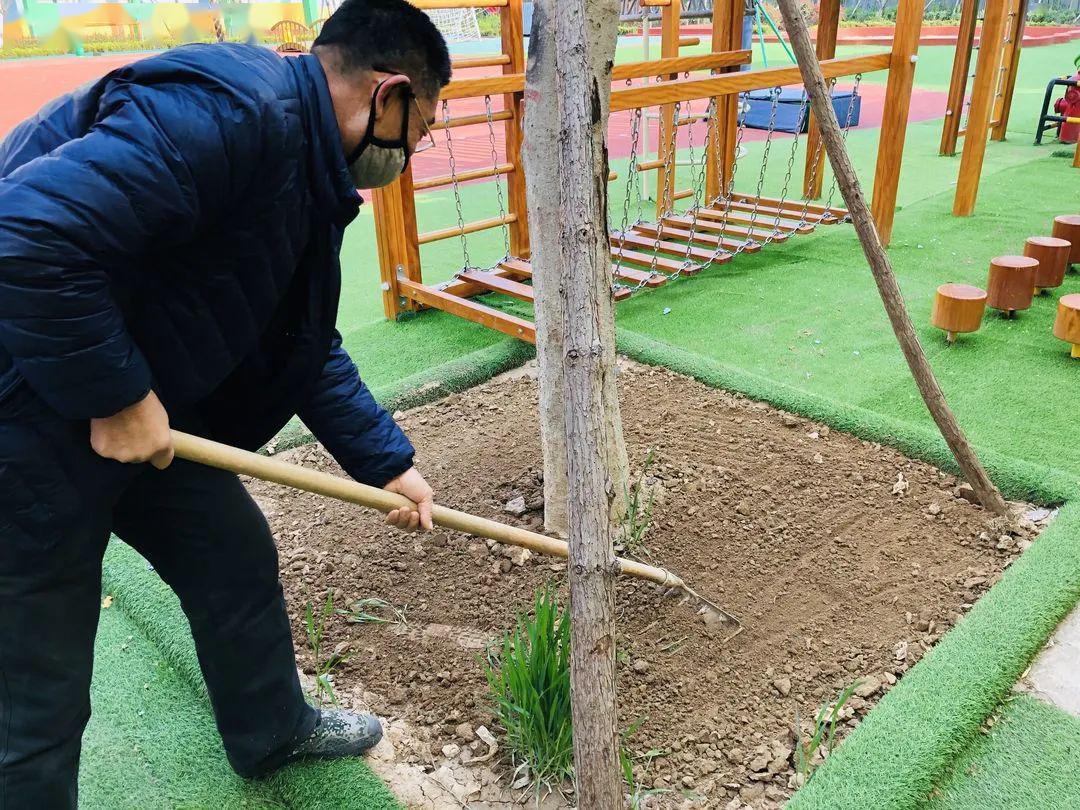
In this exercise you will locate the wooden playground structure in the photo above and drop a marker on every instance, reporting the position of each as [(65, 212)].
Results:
[(721, 219), (988, 100)]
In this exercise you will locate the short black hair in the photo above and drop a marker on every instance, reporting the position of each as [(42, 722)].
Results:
[(391, 36)]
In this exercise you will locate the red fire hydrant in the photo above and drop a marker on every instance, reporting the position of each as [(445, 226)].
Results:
[(1069, 107)]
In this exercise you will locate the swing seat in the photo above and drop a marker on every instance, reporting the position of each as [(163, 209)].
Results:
[(791, 103)]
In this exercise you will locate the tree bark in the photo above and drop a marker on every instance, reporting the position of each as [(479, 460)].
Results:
[(568, 88), (880, 265)]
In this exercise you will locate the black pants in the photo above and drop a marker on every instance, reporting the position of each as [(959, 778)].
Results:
[(206, 538)]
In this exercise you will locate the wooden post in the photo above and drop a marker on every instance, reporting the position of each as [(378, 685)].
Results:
[(828, 23), (510, 17), (727, 21), (667, 132), (1010, 61), (878, 259), (396, 238), (905, 53), (570, 57), (982, 103), (954, 107)]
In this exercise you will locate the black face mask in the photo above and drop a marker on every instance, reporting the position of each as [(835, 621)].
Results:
[(377, 162)]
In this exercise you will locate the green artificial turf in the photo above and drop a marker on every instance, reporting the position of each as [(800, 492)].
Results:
[(799, 324), (1026, 760), (184, 740)]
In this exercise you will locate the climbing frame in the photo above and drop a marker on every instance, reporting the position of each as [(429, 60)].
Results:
[(698, 99)]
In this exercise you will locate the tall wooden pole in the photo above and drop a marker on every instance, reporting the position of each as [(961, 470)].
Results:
[(905, 52), (880, 266), (982, 104), (828, 23), (571, 51), (1010, 64), (954, 107)]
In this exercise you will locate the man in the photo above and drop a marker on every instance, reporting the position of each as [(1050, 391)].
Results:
[(169, 243)]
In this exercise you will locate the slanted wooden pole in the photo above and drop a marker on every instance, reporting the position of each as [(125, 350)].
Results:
[(982, 105), (569, 74), (880, 266)]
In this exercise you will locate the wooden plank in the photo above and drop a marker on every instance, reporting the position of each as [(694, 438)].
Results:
[(954, 106), (767, 219), (484, 86), (982, 103), (730, 220), (665, 246), (717, 225), (462, 177), (700, 237), (825, 48), (688, 89), (470, 120), (469, 227), (497, 283), (463, 62), (469, 310), (646, 260), (679, 64), (796, 205)]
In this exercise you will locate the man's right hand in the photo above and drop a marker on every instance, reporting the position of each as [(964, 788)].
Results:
[(136, 434)]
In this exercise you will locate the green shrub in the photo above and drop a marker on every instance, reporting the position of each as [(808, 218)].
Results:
[(529, 682)]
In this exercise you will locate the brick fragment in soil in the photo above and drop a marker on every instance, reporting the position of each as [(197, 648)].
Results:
[(836, 572)]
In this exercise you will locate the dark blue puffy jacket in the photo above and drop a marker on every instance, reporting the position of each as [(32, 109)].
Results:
[(176, 226)]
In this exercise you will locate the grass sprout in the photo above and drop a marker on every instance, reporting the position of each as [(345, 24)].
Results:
[(315, 626), (823, 733)]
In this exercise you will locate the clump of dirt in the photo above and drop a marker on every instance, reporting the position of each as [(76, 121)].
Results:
[(844, 559)]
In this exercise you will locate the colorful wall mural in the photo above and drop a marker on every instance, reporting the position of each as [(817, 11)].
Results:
[(26, 19)]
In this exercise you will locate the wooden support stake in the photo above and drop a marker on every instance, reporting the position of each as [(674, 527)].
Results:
[(1011, 63), (720, 152), (397, 241), (878, 259), (982, 105), (512, 44), (667, 132), (909, 15)]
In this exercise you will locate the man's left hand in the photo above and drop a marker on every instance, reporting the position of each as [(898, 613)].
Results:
[(412, 485)]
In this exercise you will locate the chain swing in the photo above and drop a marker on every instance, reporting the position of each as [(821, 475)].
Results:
[(456, 186)]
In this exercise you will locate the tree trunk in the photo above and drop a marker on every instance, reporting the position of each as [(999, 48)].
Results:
[(880, 265), (567, 94)]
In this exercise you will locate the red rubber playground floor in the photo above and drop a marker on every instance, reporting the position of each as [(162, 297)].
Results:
[(28, 85)]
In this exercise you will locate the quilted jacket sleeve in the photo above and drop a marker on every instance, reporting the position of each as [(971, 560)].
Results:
[(154, 166), (356, 430)]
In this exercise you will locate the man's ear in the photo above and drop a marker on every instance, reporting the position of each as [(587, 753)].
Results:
[(394, 85)]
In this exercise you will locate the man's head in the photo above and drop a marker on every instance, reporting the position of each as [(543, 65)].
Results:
[(385, 64)]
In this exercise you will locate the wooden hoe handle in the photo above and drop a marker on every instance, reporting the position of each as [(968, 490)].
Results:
[(242, 462)]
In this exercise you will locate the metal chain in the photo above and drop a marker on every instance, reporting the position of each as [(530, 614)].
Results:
[(698, 187), (631, 181), (787, 174), (764, 160), (498, 180), (814, 167), (667, 194), (454, 185), (740, 126), (843, 135)]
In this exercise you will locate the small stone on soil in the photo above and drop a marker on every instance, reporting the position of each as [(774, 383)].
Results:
[(641, 666)]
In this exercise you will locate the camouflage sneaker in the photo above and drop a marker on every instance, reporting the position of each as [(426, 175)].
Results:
[(337, 734)]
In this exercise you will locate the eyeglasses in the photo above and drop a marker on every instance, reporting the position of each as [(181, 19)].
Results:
[(427, 140)]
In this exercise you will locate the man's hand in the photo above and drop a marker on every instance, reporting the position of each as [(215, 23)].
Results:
[(412, 485), (138, 433)]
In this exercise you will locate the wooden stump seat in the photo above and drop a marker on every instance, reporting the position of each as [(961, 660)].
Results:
[(1011, 284), (1053, 257), (958, 308), (1067, 323), (1067, 227)]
